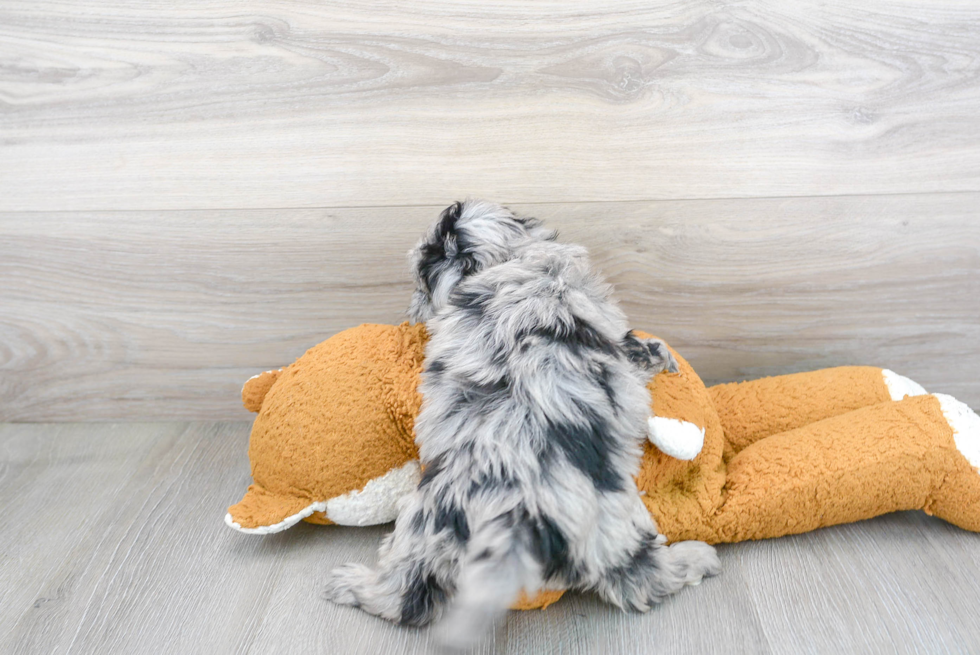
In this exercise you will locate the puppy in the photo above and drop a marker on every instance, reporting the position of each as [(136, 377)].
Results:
[(534, 412)]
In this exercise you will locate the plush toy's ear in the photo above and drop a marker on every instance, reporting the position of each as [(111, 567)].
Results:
[(256, 388)]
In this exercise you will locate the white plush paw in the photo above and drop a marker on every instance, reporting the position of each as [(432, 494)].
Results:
[(900, 386), (679, 439), (966, 427)]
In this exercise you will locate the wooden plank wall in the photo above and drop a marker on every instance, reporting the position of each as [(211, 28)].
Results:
[(192, 192)]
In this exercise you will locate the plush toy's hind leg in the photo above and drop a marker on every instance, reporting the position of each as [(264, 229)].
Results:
[(917, 453), (958, 499), (753, 410)]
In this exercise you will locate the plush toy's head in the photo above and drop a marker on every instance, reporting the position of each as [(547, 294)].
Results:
[(333, 439)]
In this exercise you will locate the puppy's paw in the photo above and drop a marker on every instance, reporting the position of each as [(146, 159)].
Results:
[(698, 559), (651, 355), (661, 359), (344, 583)]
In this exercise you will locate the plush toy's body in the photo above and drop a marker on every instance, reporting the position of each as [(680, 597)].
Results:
[(333, 443)]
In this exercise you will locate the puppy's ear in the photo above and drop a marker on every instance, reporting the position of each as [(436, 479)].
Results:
[(444, 250), (439, 254)]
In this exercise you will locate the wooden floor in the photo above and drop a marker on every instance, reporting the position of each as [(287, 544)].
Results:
[(113, 542)]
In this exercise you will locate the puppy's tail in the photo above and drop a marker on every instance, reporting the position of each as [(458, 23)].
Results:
[(495, 569)]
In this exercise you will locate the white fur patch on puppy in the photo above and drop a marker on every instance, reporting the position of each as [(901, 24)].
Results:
[(966, 427), (377, 502), (679, 439), (900, 386)]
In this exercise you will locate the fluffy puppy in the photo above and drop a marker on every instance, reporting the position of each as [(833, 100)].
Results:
[(534, 411)]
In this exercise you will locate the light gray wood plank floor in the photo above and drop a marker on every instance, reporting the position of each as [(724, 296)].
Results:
[(112, 541)]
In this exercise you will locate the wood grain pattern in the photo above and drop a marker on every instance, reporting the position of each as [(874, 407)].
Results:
[(63, 490), (165, 314), (801, 184), (188, 105), (113, 543), (849, 576)]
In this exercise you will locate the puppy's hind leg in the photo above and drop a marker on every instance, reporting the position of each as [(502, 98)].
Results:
[(405, 588), (654, 571), (410, 596)]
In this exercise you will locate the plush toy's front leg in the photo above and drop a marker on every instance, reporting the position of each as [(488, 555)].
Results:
[(753, 410), (918, 453)]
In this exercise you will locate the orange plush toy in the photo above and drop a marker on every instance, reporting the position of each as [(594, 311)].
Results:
[(333, 443)]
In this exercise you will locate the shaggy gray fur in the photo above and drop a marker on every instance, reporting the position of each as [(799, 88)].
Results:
[(534, 413)]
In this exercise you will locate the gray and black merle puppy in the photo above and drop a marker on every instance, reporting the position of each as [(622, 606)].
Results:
[(534, 412)]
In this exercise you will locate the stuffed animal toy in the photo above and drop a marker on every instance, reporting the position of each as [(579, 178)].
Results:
[(333, 443)]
